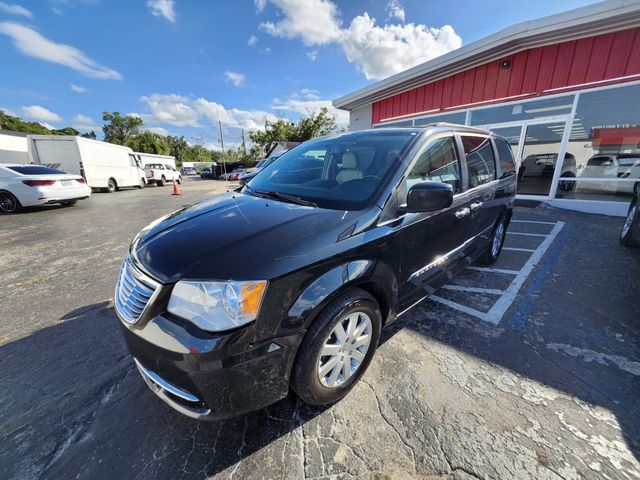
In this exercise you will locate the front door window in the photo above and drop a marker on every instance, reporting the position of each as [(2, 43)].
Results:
[(539, 158)]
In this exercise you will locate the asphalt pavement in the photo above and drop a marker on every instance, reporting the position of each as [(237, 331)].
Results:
[(530, 369)]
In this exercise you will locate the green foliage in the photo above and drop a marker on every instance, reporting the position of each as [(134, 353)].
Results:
[(149, 142), (120, 130), (91, 135), (315, 125), (15, 124)]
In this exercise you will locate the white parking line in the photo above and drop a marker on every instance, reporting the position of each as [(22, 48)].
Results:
[(494, 270), (514, 249), (494, 315), (462, 288), (527, 234), (533, 221)]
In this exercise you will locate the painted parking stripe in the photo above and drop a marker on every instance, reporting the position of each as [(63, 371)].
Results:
[(527, 234), (494, 270), (462, 308), (462, 288), (533, 221), (515, 249)]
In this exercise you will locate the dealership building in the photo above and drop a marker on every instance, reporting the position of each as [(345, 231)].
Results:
[(564, 90)]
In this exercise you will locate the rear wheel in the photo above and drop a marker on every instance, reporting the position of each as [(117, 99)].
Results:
[(112, 186), (142, 183), (179, 180), (630, 232), (70, 203), (492, 252), (162, 182), (337, 348), (9, 203)]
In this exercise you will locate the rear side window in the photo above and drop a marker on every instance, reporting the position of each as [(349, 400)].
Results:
[(481, 163), (438, 163), (507, 162), (36, 170)]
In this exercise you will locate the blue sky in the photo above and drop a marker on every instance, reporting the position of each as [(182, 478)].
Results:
[(182, 64)]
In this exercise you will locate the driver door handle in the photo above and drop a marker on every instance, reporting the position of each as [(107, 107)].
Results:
[(475, 206), (463, 212)]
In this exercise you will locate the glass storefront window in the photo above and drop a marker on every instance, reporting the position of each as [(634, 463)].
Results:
[(399, 123), (605, 142), (522, 111), (458, 117)]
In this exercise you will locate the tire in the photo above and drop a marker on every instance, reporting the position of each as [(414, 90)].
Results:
[(112, 186), (142, 184), (492, 252), (567, 186), (179, 180), (162, 182), (9, 203), (355, 306), (69, 204), (630, 231)]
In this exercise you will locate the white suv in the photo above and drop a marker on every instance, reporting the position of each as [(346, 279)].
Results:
[(160, 174)]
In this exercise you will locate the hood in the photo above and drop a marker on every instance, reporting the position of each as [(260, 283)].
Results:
[(241, 237)]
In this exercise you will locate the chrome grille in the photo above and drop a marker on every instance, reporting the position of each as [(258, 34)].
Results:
[(134, 290)]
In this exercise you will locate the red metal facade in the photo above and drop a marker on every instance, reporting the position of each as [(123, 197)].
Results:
[(532, 73)]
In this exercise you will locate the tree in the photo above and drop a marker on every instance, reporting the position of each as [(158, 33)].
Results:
[(120, 130), (91, 135), (314, 125), (149, 142), (65, 131)]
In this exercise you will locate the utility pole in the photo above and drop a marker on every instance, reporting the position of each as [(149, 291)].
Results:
[(224, 164), (244, 146)]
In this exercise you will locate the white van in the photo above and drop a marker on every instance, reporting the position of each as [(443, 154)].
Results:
[(148, 158), (103, 165)]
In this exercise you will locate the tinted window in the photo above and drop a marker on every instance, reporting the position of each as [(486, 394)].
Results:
[(154, 165), (438, 163), (481, 164), (36, 170), (344, 172), (507, 163), (600, 162)]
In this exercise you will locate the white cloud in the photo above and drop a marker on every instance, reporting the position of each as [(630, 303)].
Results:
[(395, 10), (313, 54), (84, 123), (162, 8), (41, 114), (7, 112), (77, 88), (377, 51), (159, 130), (47, 125), (307, 101), (260, 4), (32, 43), (238, 79), (253, 40), (382, 51), (182, 111), (314, 21), (15, 10)]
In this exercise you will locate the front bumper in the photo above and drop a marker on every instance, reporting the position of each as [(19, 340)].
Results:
[(210, 376)]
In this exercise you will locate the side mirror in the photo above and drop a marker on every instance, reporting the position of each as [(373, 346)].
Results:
[(429, 196)]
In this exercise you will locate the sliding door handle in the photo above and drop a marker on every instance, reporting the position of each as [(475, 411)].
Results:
[(463, 212), (475, 206)]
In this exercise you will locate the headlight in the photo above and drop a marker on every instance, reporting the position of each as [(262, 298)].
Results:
[(217, 306)]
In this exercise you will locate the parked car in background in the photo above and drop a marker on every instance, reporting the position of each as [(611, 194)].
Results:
[(236, 174), (543, 166), (206, 173), (622, 166), (31, 185), (149, 158), (252, 172), (630, 232), (287, 284), (188, 171), (161, 174), (228, 175), (103, 165)]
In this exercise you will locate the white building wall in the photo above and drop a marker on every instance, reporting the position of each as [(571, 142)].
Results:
[(360, 118), (13, 149)]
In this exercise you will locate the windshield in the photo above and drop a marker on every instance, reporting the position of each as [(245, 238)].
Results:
[(36, 170), (261, 163), (343, 173)]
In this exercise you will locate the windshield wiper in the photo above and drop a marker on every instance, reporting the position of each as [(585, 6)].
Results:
[(286, 198)]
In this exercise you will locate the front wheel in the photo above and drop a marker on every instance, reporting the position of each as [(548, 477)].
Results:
[(179, 180), (69, 203), (630, 232), (142, 184), (162, 182), (492, 252), (111, 186), (337, 348), (9, 203)]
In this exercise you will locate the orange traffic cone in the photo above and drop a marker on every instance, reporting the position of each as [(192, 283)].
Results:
[(176, 189)]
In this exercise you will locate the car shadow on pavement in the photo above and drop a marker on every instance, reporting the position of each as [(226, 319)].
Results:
[(73, 405)]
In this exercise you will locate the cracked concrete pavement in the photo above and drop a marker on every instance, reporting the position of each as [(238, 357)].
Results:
[(551, 392)]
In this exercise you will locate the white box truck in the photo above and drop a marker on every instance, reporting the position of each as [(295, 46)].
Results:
[(148, 158), (103, 165)]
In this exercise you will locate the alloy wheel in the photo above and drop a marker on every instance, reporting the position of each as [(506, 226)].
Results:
[(7, 202), (498, 236), (628, 221), (344, 349)]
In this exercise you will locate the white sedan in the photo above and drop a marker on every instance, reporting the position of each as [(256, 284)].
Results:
[(31, 185)]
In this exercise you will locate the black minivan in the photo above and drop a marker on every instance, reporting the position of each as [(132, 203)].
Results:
[(228, 304)]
